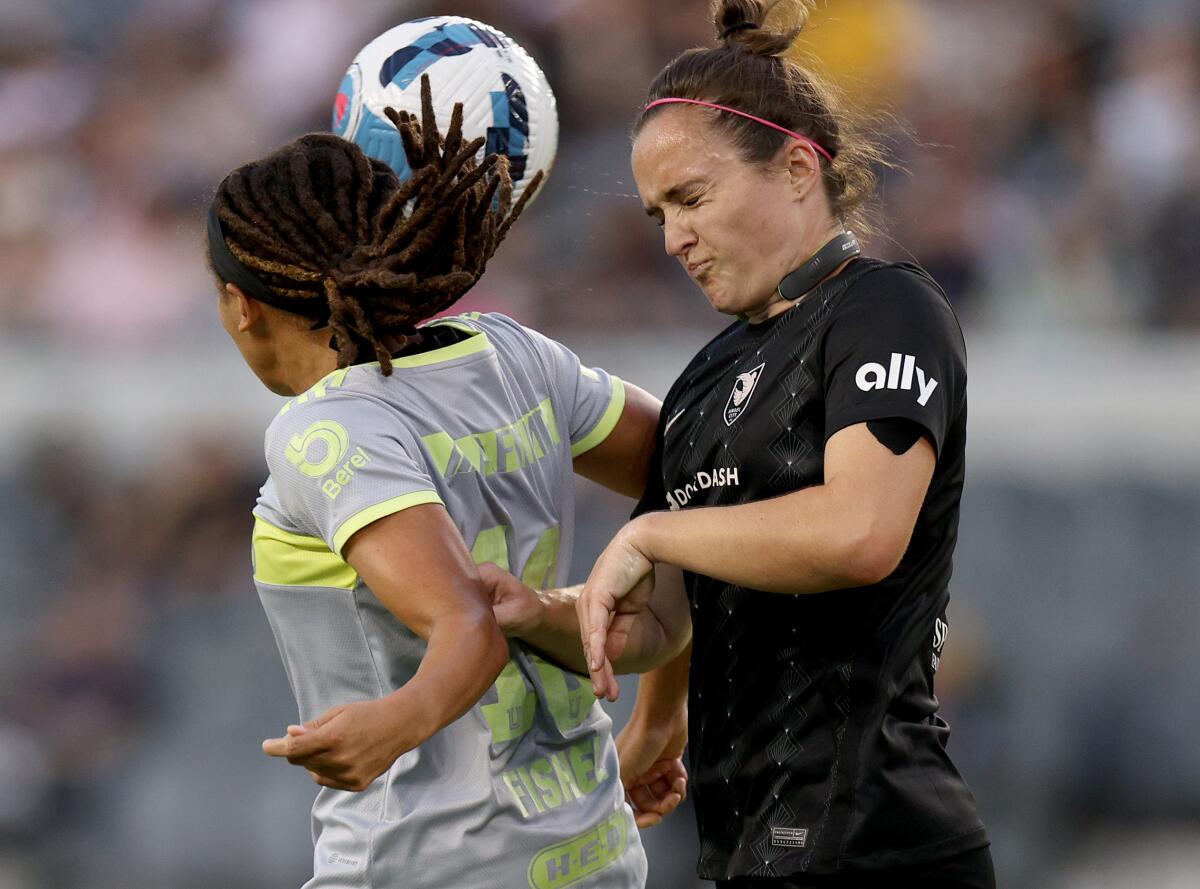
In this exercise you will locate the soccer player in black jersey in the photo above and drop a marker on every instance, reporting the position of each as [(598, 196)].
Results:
[(807, 481)]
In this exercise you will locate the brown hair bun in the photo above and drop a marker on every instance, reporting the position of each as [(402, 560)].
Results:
[(760, 27)]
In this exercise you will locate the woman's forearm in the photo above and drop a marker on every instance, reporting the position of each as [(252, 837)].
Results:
[(463, 657), (797, 543), (557, 633), (850, 531), (662, 693)]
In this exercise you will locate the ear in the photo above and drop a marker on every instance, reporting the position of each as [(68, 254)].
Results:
[(249, 310), (803, 167)]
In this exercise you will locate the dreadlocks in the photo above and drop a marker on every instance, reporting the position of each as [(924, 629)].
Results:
[(319, 220)]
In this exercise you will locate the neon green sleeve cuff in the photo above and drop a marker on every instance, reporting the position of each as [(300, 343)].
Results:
[(607, 422), (360, 520)]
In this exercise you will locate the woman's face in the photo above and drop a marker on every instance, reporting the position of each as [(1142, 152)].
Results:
[(736, 228)]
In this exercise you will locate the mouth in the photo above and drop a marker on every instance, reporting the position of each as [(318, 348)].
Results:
[(695, 269)]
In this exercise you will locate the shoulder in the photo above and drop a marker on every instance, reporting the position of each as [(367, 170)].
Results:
[(318, 423), (892, 288), (894, 298), (512, 340), (492, 324)]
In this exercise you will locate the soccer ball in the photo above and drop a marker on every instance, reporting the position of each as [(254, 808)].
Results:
[(504, 93)]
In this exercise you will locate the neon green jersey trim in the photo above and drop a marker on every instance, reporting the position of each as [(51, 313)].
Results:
[(284, 558), (607, 423), (374, 513), (472, 345), (333, 379)]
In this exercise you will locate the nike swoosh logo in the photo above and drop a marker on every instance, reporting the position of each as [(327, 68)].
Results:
[(671, 421)]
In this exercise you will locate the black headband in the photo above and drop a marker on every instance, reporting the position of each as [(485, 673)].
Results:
[(232, 270)]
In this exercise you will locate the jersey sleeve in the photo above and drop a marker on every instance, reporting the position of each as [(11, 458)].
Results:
[(341, 462), (894, 350), (592, 397)]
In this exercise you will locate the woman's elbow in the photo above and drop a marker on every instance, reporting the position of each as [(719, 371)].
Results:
[(869, 557), (497, 648), (488, 643)]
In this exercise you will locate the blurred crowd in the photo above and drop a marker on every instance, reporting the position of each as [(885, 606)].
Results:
[(1047, 154), (1047, 172)]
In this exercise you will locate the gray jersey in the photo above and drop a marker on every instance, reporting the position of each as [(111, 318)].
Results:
[(524, 789)]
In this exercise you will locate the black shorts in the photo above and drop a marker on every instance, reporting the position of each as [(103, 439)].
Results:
[(969, 870)]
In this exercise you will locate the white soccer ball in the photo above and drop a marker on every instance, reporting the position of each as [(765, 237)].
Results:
[(506, 97)]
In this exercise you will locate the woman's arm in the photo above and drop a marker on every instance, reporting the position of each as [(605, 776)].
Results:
[(621, 462), (659, 717), (650, 746), (416, 563), (548, 621), (850, 531)]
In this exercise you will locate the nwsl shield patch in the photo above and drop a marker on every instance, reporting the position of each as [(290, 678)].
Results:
[(739, 398)]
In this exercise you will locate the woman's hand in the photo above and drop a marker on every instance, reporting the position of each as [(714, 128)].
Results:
[(350, 746), (617, 592), (517, 607), (652, 770)]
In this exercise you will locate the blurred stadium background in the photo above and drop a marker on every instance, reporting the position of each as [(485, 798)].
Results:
[(1053, 186)]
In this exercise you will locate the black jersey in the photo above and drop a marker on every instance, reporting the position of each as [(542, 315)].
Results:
[(814, 738)]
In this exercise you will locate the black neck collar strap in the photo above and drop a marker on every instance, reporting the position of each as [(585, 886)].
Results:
[(232, 270), (844, 246)]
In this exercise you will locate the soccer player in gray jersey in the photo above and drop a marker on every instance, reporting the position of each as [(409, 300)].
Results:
[(447, 756)]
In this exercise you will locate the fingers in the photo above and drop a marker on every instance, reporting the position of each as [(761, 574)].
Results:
[(619, 570), (302, 742), (595, 611), (276, 746), (604, 682), (595, 634), (492, 576), (647, 819), (319, 747), (618, 635), (653, 802), (324, 781), (663, 768), (612, 687), (354, 785), (497, 581), (638, 749), (658, 791), (673, 776)]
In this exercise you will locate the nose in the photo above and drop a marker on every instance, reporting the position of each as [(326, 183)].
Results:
[(678, 237)]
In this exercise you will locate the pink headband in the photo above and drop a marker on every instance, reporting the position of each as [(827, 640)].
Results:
[(765, 123)]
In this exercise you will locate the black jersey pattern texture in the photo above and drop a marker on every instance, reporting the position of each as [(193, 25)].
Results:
[(815, 743)]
